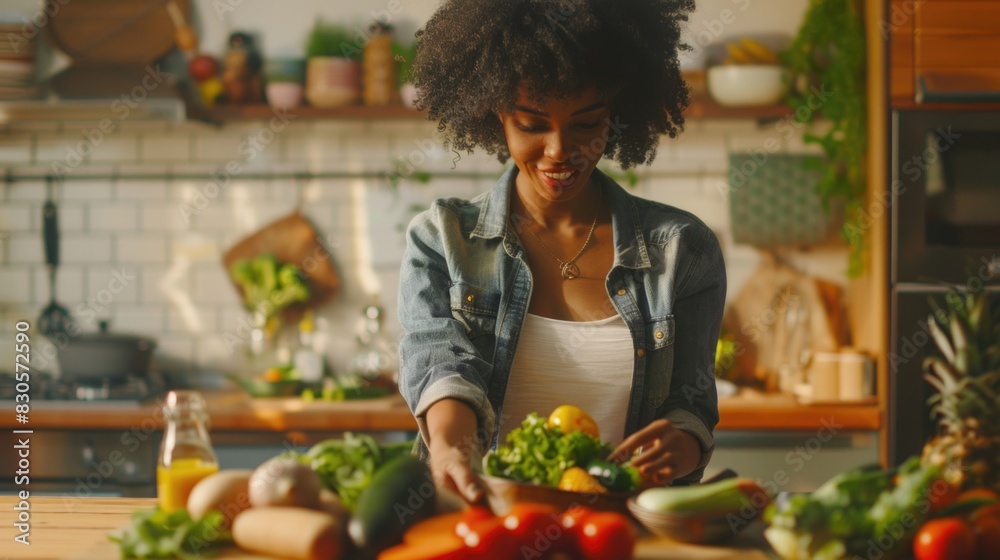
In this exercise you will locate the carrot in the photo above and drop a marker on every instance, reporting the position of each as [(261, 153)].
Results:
[(433, 528), (446, 546)]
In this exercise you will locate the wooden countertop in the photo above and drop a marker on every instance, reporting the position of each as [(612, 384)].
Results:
[(236, 411), (77, 528)]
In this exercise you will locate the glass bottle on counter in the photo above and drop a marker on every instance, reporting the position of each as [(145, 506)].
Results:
[(186, 455), (375, 361)]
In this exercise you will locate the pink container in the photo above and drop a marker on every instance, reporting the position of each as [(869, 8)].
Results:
[(333, 81)]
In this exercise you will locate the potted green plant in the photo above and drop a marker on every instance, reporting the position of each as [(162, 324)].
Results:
[(333, 69), (405, 55), (829, 55)]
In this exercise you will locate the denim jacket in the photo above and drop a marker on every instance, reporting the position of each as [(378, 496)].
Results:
[(465, 288)]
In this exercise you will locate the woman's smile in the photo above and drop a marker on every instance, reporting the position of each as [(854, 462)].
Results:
[(556, 144)]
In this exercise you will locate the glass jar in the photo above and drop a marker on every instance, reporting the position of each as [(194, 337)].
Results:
[(186, 455), (375, 361)]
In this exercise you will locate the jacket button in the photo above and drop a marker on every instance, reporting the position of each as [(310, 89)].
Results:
[(640, 352), (469, 298), (621, 292), (659, 334)]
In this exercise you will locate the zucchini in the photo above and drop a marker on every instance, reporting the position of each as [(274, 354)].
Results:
[(401, 493), (728, 495)]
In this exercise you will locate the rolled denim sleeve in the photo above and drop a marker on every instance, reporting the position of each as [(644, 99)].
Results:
[(692, 404), (436, 358)]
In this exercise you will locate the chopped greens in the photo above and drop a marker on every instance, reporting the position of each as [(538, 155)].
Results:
[(155, 533), (538, 454), (346, 465), (851, 511)]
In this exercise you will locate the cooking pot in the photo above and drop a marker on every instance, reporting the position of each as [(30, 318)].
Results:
[(104, 355)]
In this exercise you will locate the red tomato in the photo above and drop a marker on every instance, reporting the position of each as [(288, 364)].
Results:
[(470, 516), (490, 540), (535, 526), (987, 531), (942, 499), (606, 536), (949, 538), (571, 521)]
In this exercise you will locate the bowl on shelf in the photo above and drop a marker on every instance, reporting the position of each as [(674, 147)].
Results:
[(746, 85), (503, 493), (284, 95)]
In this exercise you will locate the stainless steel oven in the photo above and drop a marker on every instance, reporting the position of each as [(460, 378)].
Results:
[(946, 196), (944, 231)]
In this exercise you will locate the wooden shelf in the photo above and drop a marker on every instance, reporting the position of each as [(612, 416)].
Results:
[(705, 108), (700, 108), (225, 113)]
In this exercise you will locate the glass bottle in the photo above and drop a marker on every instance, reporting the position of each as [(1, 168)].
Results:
[(375, 361), (379, 67), (186, 455)]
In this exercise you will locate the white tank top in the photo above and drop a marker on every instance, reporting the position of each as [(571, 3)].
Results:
[(583, 363)]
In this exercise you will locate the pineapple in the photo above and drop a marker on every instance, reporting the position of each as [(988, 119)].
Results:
[(967, 404)]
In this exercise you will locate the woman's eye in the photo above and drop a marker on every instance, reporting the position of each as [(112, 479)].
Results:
[(530, 128), (589, 126)]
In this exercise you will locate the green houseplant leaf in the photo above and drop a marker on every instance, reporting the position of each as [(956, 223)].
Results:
[(826, 61)]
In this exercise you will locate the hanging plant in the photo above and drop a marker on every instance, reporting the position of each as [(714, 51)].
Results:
[(827, 70)]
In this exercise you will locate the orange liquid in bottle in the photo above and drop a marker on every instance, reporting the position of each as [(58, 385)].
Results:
[(174, 483)]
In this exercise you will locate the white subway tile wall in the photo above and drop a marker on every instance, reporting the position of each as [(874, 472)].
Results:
[(145, 253)]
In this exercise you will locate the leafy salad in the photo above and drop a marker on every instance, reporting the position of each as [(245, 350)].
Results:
[(539, 454), (346, 466)]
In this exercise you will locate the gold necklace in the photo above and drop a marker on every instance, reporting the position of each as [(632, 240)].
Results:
[(568, 268)]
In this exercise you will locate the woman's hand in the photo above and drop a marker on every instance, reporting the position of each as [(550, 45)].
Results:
[(453, 445), (667, 452), (451, 467)]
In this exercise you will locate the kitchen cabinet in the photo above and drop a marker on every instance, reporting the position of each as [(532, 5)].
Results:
[(947, 44)]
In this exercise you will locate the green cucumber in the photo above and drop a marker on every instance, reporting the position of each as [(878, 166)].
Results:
[(615, 478), (401, 493)]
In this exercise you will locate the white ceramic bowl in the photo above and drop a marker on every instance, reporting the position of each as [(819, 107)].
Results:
[(746, 85), (284, 95)]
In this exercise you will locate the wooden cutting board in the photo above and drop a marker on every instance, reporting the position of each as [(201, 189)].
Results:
[(113, 31), (292, 239)]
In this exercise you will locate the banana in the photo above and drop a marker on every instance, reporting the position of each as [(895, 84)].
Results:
[(738, 54), (758, 51)]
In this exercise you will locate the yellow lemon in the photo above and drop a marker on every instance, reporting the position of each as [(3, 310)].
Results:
[(571, 418)]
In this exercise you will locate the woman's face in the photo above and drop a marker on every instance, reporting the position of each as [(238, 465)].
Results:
[(557, 145)]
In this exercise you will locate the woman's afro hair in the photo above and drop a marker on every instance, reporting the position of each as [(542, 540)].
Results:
[(474, 56)]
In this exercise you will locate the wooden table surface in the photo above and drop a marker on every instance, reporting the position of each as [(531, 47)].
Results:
[(77, 528), (236, 411)]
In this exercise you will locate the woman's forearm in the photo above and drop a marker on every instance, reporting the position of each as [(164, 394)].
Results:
[(452, 423)]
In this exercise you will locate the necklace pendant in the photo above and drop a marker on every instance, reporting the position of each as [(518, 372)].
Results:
[(569, 270)]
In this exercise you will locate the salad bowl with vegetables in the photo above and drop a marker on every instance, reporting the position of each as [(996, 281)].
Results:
[(558, 460)]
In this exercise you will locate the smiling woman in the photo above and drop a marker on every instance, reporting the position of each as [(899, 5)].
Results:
[(557, 287)]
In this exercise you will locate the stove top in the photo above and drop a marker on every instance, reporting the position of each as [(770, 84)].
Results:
[(44, 387)]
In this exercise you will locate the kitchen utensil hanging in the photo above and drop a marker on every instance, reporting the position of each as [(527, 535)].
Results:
[(292, 239), (55, 319)]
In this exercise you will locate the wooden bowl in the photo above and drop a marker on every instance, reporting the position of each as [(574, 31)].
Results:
[(503, 493)]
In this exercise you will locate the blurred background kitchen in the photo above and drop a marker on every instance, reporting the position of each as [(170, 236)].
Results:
[(232, 186)]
